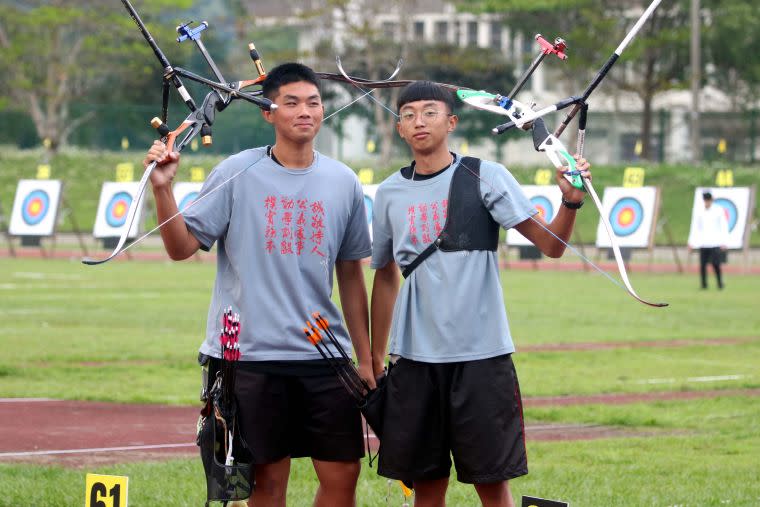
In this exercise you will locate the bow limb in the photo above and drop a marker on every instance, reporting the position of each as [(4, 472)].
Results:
[(614, 245), (136, 202), (354, 82), (368, 83), (359, 86)]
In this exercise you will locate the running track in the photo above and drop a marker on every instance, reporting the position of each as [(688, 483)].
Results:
[(78, 433)]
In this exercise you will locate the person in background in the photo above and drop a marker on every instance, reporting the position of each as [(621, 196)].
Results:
[(709, 235)]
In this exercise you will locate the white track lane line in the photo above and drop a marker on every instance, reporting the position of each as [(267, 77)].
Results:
[(106, 449), (25, 400), (94, 449)]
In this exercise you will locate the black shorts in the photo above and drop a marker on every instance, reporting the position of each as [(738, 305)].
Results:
[(297, 416), (469, 410)]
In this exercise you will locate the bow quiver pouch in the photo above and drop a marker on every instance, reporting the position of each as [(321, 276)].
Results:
[(372, 407), (223, 482)]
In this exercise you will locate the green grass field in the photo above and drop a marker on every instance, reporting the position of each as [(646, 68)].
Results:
[(129, 331)]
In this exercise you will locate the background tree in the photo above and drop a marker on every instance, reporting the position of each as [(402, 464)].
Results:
[(731, 43), (55, 53), (656, 61), (367, 50)]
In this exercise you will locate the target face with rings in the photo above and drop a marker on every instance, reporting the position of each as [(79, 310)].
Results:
[(117, 209), (188, 200), (118, 200), (35, 207), (730, 210), (626, 216), (544, 207)]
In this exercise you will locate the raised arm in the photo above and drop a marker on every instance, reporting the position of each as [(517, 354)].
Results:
[(179, 242), (544, 235)]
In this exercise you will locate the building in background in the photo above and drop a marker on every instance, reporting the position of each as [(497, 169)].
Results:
[(615, 116)]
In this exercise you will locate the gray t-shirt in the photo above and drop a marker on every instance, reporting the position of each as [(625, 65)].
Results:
[(279, 233), (451, 307)]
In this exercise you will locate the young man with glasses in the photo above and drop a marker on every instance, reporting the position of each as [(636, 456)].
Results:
[(283, 217), (451, 389)]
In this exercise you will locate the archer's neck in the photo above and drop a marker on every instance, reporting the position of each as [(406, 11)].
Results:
[(293, 155), (428, 163)]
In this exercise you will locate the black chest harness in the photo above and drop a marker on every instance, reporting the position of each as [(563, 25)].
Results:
[(469, 225)]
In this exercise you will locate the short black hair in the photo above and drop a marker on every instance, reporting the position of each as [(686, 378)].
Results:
[(706, 195), (287, 73), (425, 90)]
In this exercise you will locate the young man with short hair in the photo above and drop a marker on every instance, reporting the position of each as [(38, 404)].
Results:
[(451, 388), (283, 217)]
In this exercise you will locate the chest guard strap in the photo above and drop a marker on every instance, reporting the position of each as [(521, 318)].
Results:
[(469, 225)]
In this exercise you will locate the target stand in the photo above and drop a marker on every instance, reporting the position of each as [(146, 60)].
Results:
[(632, 212), (738, 204), (546, 199), (185, 193), (35, 212), (113, 208), (369, 204)]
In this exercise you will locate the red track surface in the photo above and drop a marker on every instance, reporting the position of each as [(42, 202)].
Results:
[(76, 433)]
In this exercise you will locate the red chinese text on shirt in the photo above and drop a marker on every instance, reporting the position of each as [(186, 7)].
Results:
[(293, 225), (425, 221)]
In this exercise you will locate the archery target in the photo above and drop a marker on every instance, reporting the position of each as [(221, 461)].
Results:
[(369, 204), (631, 213), (735, 202), (185, 193), (35, 208), (546, 200), (113, 209)]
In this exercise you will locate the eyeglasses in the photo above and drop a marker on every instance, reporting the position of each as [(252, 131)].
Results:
[(427, 115)]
